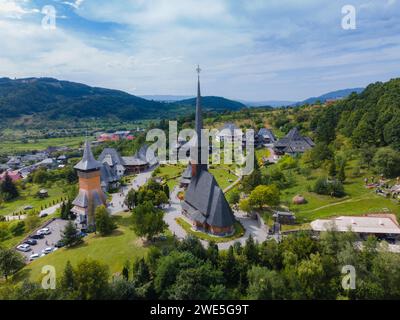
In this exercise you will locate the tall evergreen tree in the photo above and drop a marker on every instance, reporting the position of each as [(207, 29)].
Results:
[(8, 189)]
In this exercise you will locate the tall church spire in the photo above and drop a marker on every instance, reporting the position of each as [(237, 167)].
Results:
[(199, 118), (197, 166)]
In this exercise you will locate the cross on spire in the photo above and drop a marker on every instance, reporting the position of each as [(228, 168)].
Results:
[(198, 69)]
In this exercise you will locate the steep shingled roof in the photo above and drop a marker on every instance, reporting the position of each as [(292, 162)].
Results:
[(294, 142), (204, 196), (88, 161)]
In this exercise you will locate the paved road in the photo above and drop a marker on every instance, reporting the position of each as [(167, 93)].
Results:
[(49, 211), (116, 204), (50, 240), (252, 226)]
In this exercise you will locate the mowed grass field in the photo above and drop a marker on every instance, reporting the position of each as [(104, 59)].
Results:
[(27, 198), (12, 147), (114, 250)]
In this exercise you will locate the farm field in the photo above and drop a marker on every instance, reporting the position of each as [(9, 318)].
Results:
[(12, 147)]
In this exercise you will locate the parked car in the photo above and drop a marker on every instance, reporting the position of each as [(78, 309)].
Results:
[(33, 257), (24, 247), (47, 250), (31, 242), (60, 244), (28, 208), (43, 214), (44, 231), (37, 236)]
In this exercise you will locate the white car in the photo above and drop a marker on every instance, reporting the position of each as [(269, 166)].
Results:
[(33, 257), (47, 250), (24, 247), (44, 231)]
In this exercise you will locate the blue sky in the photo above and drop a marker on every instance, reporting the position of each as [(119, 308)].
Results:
[(248, 49)]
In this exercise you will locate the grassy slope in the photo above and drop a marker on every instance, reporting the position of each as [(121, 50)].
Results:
[(359, 200), (113, 251), (27, 197)]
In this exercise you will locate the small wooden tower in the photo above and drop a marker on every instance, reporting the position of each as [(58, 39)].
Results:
[(90, 193)]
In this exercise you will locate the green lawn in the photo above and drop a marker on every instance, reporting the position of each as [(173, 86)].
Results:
[(7, 147), (263, 152), (113, 251), (171, 173), (358, 200), (239, 232), (27, 197), (223, 176)]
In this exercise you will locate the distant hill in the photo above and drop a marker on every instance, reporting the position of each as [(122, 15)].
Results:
[(339, 94), (268, 103), (53, 99), (165, 98), (213, 103)]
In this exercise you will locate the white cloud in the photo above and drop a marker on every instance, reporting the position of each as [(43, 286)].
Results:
[(15, 9), (250, 49)]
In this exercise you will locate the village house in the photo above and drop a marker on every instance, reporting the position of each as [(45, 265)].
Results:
[(293, 143), (383, 226), (266, 136)]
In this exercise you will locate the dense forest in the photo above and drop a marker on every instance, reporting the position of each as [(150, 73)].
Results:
[(52, 99), (371, 118), (299, 267)]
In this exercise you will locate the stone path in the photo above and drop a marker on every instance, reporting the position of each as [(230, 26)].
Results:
[(116, 204)]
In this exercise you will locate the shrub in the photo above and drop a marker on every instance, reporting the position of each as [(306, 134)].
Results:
[(329, 187)]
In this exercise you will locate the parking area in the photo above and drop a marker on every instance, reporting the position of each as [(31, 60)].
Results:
[(49, 240)]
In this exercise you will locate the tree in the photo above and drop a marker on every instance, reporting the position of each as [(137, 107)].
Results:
[(91, 280), (195, 283), (166, 190), (68, 278), (4, 232), (250, 250), (245, 206), (130, 199), (70, 235), (141, 272), (8, 189), (32, 221), (147, 221), (168, 269), (252, 180), (342, 173), (264, 195), (10, 262), (234, 197), (386, 161), (65, 209), (104, 222), (125, 271), (332, 169), (367, 154), (18, 228), (265, 284)]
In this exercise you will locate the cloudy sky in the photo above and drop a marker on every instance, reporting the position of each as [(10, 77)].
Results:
[(248, 49)]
